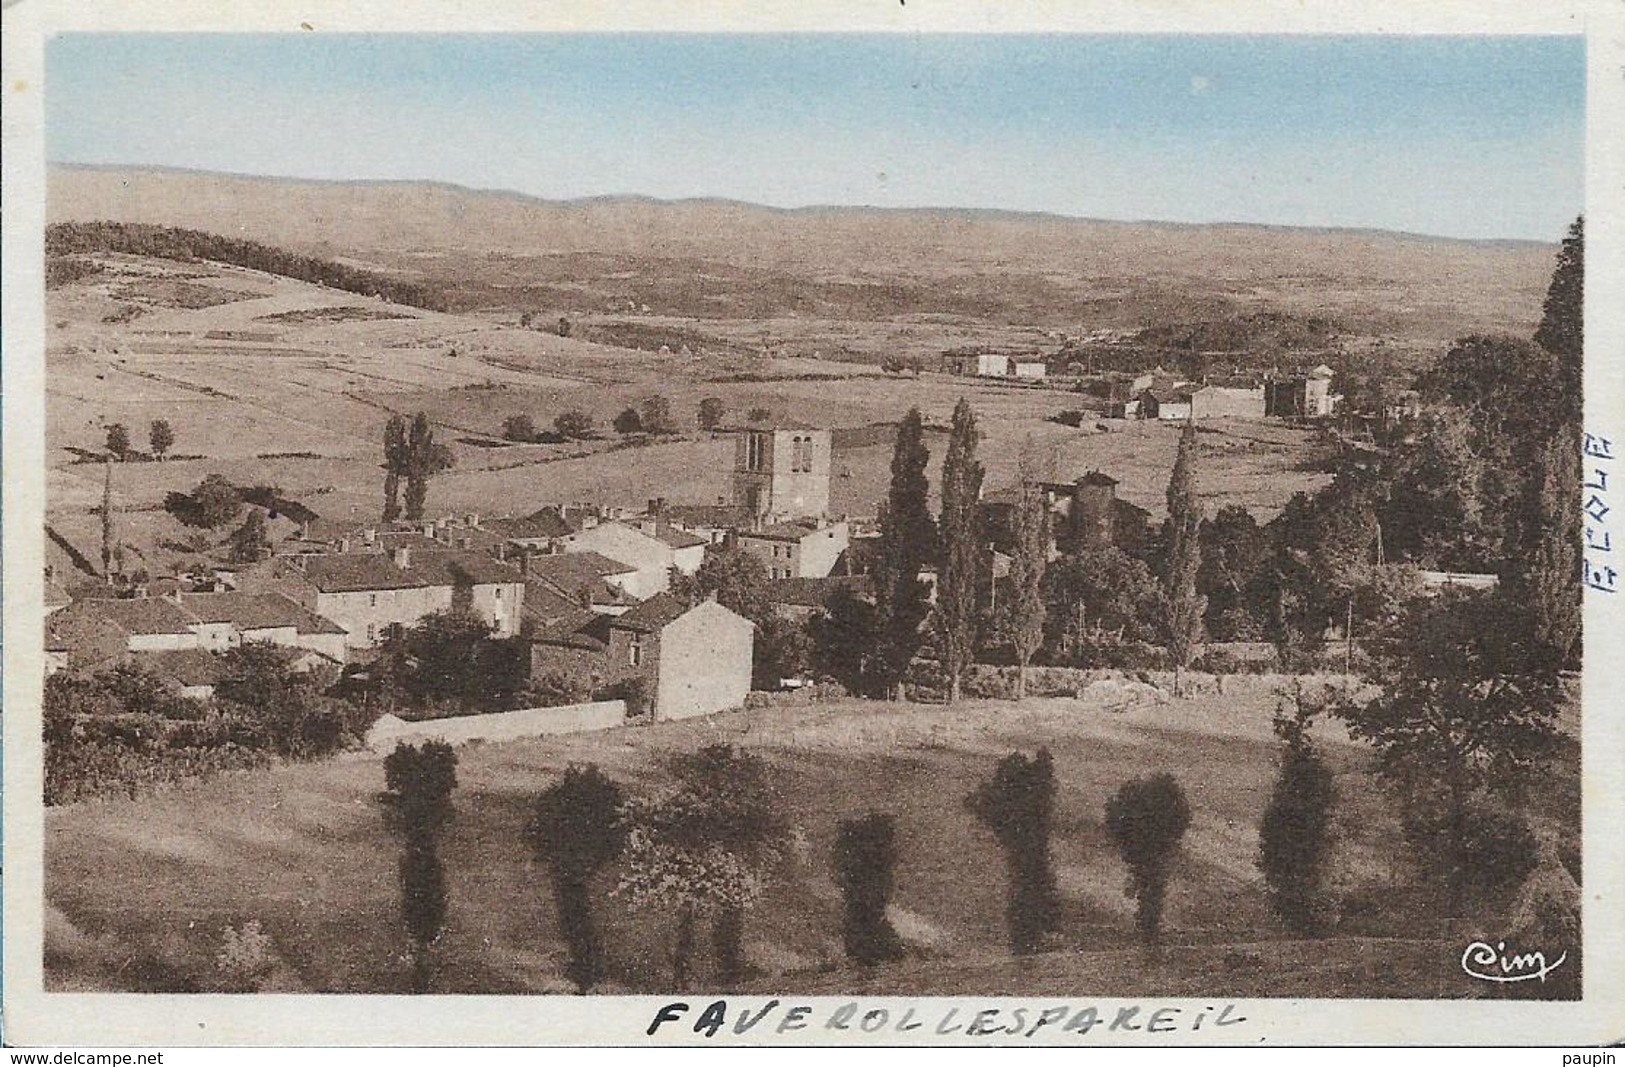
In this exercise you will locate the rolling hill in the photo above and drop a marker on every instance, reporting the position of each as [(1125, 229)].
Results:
[(720, 259)]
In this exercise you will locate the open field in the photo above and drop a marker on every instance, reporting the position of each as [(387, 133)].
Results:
[(140, 891), (290, 384)]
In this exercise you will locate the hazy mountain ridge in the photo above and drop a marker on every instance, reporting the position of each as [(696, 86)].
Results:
[(1038, 269)]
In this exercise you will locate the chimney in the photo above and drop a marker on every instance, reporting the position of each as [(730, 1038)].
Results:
[(369, 535), (344, 544), (428, 530), (465, 542), (524, 564), (304, 530), (472, 521), (403, 557)]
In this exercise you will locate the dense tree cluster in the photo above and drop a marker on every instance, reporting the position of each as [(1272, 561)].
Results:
[(187, 246)]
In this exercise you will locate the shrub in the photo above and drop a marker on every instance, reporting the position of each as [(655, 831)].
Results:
[(628, 422), (710, 413), (865, 861), (1146, 818), (573, 424), (519, 428), (244, 958), (555, 689), (1018, 805), (634, 691), (1495, 846)]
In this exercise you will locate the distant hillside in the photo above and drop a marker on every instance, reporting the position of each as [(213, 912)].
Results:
[(721, 259)]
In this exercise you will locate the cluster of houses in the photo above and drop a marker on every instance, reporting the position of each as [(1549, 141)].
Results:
[(1159, 395), (587, 586)]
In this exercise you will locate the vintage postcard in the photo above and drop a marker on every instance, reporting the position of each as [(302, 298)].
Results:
[(905, 524)]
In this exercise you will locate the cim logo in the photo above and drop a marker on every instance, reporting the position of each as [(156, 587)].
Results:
[(1491, 963)]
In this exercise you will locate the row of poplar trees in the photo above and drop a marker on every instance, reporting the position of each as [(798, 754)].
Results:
[(956, 543)]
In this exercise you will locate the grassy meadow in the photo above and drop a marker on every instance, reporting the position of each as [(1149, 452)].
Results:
[(140, 891)]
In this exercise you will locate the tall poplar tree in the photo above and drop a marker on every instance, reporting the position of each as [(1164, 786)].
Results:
[(907, 544), (1546, 579), (1024, 610), (424, 458), (107, 522), (395, 464), (961, 544), (1183, 606), (1562, 325)]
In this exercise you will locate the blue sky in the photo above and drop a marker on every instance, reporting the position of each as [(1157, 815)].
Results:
[(1466, 137)]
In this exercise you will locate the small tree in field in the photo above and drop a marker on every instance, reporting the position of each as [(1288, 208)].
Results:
[(865, 861), (518, 428), (655, 415), (1295, 838), (574, 424), (577, 831), (711, 412), (160, 438), (628, 422), (418, 784), (1018, 805), (1146, 818), (118, 439)]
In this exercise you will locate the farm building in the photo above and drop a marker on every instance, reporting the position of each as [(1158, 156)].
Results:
[(1221, 401), (92, 633), (977, 364), (801, 598), (367, 593), (588, 580), (1167, 402), (1085, 513), (796, 550), (695, 660), (1301, 396), (653, 550), (1029, 369)]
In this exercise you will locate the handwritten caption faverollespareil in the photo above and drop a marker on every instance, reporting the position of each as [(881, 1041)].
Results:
[(854, 1019)]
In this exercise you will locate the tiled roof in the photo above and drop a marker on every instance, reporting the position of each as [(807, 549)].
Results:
[(257, 611), (460, 567), (145, 615), (579, 629), (815, 592), (1164, 394), (355, 572), (711, 516), (87, 636), (679, 538), (781, 531), (653, 614), (544, 603), (569, 573), (188, 666)]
